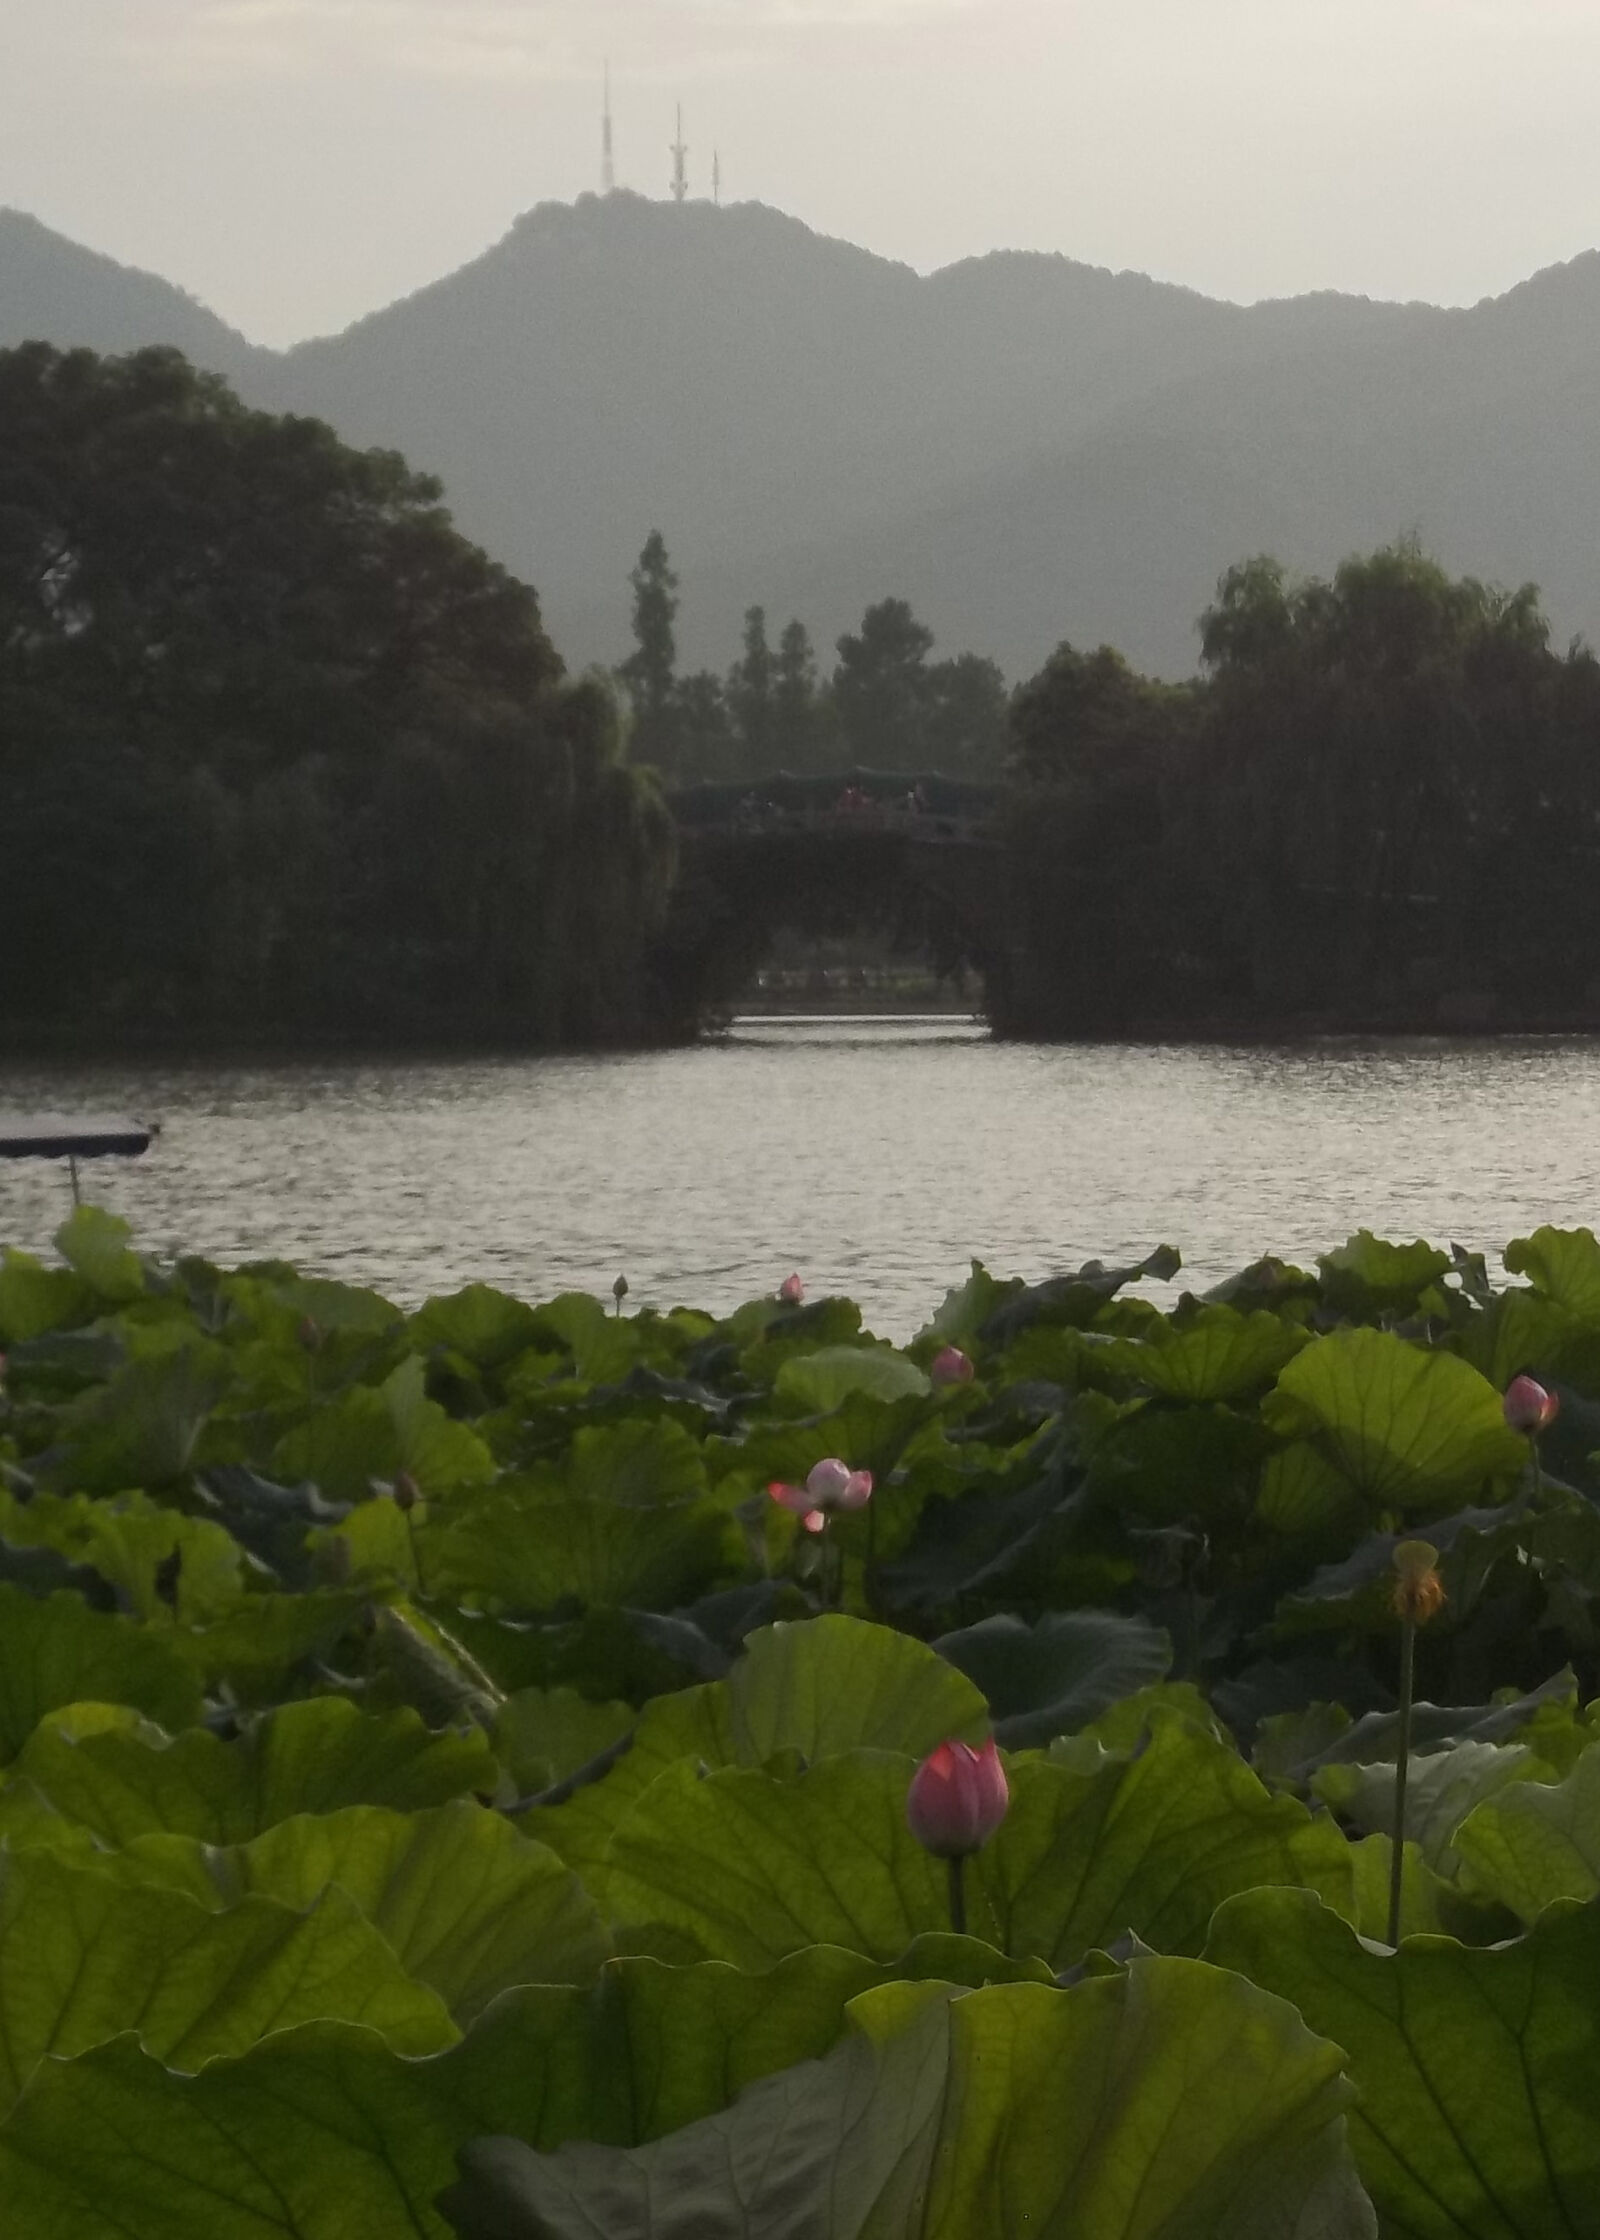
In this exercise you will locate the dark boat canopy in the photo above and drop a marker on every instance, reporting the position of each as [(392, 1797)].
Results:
[(49, 1135)]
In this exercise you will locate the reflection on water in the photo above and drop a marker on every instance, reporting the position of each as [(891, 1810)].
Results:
[(875, 1155)]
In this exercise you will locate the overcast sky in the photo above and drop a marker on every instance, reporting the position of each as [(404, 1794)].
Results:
[(298, 162)]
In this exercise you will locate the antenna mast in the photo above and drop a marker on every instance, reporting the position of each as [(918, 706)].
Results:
[(608, 168), (716, 177), (680, 158)]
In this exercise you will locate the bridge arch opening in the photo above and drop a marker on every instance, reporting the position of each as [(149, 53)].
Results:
[(862, 867)]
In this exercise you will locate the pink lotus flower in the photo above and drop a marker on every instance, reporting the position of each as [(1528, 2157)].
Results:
[(831, 1485), (958, 1798), (791, 1291), (951, 1366), (1528, 1407)]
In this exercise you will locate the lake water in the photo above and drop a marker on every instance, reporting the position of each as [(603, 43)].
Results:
[(876, 1156)]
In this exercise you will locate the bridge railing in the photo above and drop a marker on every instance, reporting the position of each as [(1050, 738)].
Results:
[(905, 819)]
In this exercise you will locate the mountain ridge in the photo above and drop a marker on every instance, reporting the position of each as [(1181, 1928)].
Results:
[(1025, 446)]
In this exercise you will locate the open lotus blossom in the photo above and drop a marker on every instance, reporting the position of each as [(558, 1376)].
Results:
[(958, 1798), (951, 1366), (830, 1485), (791, 1291), (1528, 1407)]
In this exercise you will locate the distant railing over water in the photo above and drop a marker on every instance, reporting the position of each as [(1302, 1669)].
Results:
[(930, 809)]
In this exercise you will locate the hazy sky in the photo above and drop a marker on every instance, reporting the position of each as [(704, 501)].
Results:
[(298, 162)]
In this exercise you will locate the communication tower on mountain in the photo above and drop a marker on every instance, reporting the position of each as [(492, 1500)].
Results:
[(680, 162), (608, 168)]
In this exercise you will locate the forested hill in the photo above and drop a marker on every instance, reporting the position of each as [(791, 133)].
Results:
[(51, 290), (1025, 448)]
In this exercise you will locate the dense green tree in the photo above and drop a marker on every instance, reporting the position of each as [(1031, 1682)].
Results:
[(650, 671), (964, 717), (880, 687), (801, 717), (280, 752), (1381, 805), (709, 744), (751, 685)]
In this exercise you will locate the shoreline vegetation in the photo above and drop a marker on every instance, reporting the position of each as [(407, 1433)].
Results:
[(514, 1767), (287, 763)]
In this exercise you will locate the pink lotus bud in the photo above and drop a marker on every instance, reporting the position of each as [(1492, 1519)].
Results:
[(1528, 1407), (791, 1291), (309, 1334), (832, 1484), (407, 1492), (951, 1366), (958, 1798)]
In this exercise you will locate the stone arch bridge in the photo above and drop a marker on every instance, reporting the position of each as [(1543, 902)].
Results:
[(915, 856)]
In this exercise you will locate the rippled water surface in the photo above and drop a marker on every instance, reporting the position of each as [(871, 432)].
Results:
[(878, 1156)]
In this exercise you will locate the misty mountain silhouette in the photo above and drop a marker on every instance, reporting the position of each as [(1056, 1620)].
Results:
[(1026, 448)]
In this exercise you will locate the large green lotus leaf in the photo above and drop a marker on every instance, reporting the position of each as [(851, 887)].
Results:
[(1441, 1790), (121, 1778), (1213, 1354), (323, 2132), (259, 1647), (470, 1907), (1301, 1493), (836, 1683), (603, 1346), (1563, 1265), (1174, 1465), (58, 1651), (128, 1538), (747, 1866), (1369, 1276), (1410, 1429), (1522, 1330), (649, 1463), (750, 1866), (98, 1246), (1532, 1843), (817, 1689), (545, 1735), (1547, 1719), (692, 1726), (35, 1300), (965, 1308), (1150, 1843), (1429, 1904), (376, 1541), (85, 1956), (823, 1381), (1054, 1677), (1075, 1301), (143, 1427), (1478, 2069), (1170, 2101), (487, 1327), (1356, 1595), (373, 1433), (530, 1551)]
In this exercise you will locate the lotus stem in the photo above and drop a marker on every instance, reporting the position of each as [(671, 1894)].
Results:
[(1408, 1662), (958, 1895)]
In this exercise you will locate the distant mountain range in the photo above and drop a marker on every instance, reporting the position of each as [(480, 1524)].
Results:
[(1026, 448)]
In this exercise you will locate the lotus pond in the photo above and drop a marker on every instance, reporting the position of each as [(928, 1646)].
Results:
[(443, 1790)]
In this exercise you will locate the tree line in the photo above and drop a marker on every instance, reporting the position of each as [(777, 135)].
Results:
[(885, 705), (1377, 805), (282, 755)]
